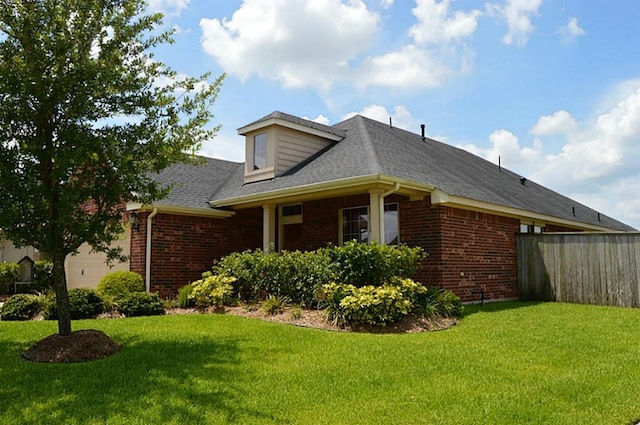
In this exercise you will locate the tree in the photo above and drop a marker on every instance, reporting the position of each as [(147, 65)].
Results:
[(87, 115)]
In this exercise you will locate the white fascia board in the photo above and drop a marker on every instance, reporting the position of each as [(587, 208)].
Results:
[(172, 209), (310, 190), (438, 197)]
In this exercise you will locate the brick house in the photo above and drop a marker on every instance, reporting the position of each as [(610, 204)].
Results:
[(305, 184)]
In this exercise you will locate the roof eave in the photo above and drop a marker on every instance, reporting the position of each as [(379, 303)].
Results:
[(438, 197), (323, 189), (180, 210)]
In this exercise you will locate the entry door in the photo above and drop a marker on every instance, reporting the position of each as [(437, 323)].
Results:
[(292, 237)]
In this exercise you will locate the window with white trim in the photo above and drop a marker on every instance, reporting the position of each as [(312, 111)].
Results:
[(259, 151), (355, 224)]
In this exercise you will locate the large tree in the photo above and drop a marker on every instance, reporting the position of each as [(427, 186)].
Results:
[(87, 115)]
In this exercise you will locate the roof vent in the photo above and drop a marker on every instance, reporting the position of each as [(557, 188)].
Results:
[(599, 217), (523, 180), (573, 211), (422, 127), (390, 123)]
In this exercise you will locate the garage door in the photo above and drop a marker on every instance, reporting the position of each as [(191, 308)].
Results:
[(85, 269)]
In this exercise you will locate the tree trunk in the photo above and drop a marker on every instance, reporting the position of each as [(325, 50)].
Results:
[(62, 295)]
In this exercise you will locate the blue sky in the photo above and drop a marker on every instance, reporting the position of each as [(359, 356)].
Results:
[(550, 86)]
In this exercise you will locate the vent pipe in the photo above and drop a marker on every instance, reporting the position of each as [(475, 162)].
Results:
[(422, 127), (390, 123), (523, 180), (499, 164)]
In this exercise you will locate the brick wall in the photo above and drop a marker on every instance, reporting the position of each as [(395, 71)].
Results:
[(478, 252), (468, 251), (183, 246)]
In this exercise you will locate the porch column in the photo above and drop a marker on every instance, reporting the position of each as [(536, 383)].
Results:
[(376, 218), (268, 227)]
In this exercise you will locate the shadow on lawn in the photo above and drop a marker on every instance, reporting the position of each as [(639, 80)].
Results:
[(147, 382), (494, 307)]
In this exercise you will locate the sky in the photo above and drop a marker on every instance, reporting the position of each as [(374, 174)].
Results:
[(551, 87)]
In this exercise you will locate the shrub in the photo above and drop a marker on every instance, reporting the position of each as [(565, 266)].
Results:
[(437, 301), (9, 273), (211, 290), (42, 276), (274, 304), (121, 283), (373, 264), (184, 301), (20, 307), (141, 304), (295, 275), (373, 305), (84, 303)]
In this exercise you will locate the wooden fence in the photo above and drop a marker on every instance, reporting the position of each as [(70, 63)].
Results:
[(584, 268)]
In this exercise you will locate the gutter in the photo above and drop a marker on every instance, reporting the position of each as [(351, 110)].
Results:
[(148, 252)]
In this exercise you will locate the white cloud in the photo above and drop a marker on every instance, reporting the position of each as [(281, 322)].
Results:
[(168, 7), (518, 15), (596, 162), (386, 4), (571, 30), (408, 67), (299, 43), (229, 147), (401, 116), (506, 149), (561, 122), (436, 24), (320, 119)]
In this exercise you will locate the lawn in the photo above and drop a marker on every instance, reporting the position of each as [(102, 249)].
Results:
[(511, 363)]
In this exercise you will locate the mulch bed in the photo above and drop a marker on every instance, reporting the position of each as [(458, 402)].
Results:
[(80, 346), (91, 344)]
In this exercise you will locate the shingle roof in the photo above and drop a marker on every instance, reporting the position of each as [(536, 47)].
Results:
[(299, 121), (371, 147), (195, 184)]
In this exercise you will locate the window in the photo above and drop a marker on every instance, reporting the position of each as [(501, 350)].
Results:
[(355, 224), (391, 224), (259, 151), (530, 228)]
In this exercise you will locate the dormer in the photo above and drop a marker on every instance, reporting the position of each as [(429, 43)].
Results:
[(278, 142)]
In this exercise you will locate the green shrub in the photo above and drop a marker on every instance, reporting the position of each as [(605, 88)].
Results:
[(211, 290), (141, 304), (184, 301), (84, 303), (437, 301), (42, 276), (295, 275), (274, 304), (121, 283), (9, 273), (372, 264), (20, 307)]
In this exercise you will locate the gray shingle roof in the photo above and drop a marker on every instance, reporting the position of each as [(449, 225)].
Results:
[(195, 184), (371, 147)]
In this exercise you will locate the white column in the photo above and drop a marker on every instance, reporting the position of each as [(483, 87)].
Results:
[(376, 218), (268, 227)]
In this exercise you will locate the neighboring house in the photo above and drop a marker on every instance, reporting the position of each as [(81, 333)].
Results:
[(304, 185)]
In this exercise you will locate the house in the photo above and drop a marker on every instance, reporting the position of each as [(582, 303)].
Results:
[(304, 185)]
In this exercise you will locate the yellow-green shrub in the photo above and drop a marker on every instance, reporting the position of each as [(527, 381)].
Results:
[(211, 290)]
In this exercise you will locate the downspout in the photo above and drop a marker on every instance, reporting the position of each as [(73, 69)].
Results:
[(148, 252), (381, 206)]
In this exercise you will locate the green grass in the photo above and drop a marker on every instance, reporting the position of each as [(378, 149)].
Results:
[(513, 363)]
